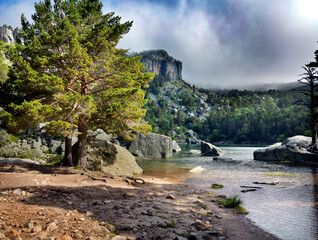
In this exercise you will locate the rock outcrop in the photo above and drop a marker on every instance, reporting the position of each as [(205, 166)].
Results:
[(160, 63), (112, 159), (7, 35), (291, 149), (175, 146), (208, 149), (151, 146)]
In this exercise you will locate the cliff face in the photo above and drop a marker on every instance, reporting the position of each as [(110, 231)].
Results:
[(8, 36), (160, 63)]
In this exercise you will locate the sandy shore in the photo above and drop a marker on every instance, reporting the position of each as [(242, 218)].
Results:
[(42, 202)]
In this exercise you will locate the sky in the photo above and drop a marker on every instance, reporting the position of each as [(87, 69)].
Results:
[(221, 43)]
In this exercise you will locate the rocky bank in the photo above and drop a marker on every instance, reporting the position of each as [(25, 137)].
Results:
[(292, 149)]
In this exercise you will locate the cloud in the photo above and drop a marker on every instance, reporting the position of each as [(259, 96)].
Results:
[(225, 43)]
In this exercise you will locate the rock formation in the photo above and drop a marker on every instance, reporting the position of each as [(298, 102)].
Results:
[(8, 36), (291, 149), (175, 146), (109, 158), (151, 146), (160, 63), (208, 149)]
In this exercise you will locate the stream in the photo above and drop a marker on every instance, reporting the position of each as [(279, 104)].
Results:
[(288, 210)]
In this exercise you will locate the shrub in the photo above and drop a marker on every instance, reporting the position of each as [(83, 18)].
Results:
[(20, 150), (232, 202)]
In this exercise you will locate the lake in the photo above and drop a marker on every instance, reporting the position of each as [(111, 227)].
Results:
[(288, 210)]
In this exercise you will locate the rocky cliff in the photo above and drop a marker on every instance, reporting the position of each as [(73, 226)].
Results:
[(7, 35), (160, 63)]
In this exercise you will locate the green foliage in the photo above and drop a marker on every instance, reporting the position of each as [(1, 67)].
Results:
[(232, 202), (171, 224), (4, 138), (20, 150), (216, 185), (70, 74)]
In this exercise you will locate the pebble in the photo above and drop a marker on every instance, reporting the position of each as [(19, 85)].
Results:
[(81, 219), (4, 193), (119, 238), (170, 196), (17, 191), (66, 236), (2, 235), (51, 227), (37, 228), (179, 238)]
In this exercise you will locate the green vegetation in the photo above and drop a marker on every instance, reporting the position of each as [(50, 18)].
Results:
[(232, 202), (279, 174), (70, 74), (171, 224), (233, 116), (216, 185)]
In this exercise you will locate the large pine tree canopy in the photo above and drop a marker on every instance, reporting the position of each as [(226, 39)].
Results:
[(67, 71)]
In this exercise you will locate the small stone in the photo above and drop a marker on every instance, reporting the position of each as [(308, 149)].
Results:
[(2, 235), (195, 236), (147, 224), (17, 191), (37, 228), (111, 228), (51, 227), (118, 237), (89, 214), (42, 235), (179, 238), (78, 236), (13, 234), (170, 196), (4, 193), (81, 219), (221, 238), (30, 224), (66, 236), (135, 229)]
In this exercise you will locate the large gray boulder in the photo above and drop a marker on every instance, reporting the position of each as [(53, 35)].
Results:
[(208, 149), (98, 134), (291, 149), (112, 159), (175, 146), (151, 146)]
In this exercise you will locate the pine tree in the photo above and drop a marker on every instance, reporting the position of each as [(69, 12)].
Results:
[(69, 71)]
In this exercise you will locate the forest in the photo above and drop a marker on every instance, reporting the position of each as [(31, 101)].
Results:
[(234, 116)]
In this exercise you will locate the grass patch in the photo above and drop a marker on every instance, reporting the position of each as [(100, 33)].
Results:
[(111, 235), (216, 185), (279, 174), (171, 224), (233, 202)]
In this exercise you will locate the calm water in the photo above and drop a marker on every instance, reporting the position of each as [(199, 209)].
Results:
[(287, 210)]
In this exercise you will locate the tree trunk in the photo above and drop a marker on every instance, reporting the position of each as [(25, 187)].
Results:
[(68, 158), (82, 143)]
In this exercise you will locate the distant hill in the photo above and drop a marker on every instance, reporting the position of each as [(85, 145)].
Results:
[(188, 113)]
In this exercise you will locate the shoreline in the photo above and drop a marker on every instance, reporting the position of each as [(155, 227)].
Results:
[(83, 208)]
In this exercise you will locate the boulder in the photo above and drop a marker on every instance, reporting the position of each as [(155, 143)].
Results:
[(194, 152), (151, 146), (112, 159), (291, 149), (98, 134), (175, 146), (208, 149)]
